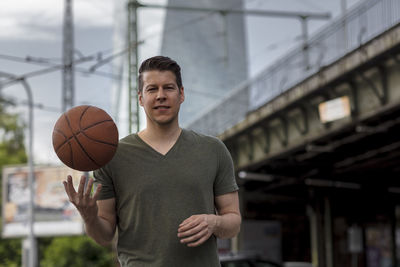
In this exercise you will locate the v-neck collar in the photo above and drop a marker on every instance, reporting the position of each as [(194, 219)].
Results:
[(170, 151)]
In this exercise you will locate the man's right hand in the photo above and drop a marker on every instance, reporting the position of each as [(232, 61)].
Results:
[(82, 200)]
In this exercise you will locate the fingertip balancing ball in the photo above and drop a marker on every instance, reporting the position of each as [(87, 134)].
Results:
[(85, 138)]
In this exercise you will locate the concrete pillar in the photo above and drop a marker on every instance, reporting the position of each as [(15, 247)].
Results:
[(328, 232), (313, 236)]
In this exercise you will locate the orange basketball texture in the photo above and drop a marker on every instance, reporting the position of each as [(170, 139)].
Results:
[(85, 138)]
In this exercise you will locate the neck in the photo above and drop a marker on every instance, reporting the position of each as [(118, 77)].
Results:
[(157, 133)]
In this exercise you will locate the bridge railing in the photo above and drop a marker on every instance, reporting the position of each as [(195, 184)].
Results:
[(346, 33)]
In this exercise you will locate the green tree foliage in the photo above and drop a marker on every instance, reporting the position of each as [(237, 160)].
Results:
[(12, 151), (12, 148), (10, 252), (78, 251)]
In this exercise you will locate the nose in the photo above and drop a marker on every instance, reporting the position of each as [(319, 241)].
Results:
[(161, 94)]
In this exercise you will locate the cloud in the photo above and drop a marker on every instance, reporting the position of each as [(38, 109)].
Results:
[(42, 19)]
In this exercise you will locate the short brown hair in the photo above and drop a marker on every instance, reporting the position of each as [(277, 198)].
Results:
[(160, 63)]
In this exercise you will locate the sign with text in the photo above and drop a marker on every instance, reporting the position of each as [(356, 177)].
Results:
[(53, 213), (334, 109)]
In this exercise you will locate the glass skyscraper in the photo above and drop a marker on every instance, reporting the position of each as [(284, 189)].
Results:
[(211, 50)]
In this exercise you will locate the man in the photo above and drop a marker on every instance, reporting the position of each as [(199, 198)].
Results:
[(169, 191)]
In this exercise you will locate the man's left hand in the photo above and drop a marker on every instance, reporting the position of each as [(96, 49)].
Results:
[(197, 229)]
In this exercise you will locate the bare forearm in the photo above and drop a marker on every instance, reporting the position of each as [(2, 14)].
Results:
[(227, 225), (99, 216), (100, 230)]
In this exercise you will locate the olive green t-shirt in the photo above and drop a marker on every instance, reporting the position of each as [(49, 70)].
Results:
[(154, 193)]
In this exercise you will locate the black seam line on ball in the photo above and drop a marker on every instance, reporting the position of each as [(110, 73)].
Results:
[(98, 141), (72, 154), (70, 147), (92, 125), (84, 129), (63, 143), (76, 139)]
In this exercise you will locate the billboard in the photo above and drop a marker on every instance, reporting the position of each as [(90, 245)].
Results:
[(53, 213)]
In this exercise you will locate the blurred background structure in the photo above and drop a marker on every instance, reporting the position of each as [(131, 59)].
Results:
[(209, 46), (307, 107), (211, 49), (317, 150)]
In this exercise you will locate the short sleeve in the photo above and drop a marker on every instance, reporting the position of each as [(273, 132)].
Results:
[(102, 176), (225, 181)]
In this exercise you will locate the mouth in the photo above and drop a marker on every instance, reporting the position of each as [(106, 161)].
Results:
[(161, 107)]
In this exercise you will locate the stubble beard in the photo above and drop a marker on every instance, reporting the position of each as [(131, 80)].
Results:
[(167, 122)]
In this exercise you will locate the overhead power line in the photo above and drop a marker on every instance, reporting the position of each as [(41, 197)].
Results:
[(110, 58), (15, 101), (48, 62), (18, 78)]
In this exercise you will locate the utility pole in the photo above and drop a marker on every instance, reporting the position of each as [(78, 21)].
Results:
[(133, 67), (68, 80)]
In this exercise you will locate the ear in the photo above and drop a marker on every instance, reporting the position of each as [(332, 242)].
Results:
[(140, 96), (182, 95)]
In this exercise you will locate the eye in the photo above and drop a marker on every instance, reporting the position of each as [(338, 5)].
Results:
[(151, 89)]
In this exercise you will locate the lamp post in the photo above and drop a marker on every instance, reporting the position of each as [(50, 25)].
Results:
[(31, 237)]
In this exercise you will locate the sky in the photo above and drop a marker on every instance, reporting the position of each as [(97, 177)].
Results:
[(34, 29)]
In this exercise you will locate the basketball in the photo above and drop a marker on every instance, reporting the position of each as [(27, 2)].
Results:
[(85, 138)]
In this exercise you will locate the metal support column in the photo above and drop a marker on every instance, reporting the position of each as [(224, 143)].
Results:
[(133, 67), (68, 80)]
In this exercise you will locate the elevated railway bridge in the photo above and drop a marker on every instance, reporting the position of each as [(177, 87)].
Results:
[(316, 142)]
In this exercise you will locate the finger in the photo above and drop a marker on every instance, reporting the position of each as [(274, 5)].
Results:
[(88, 189), (199, 242), (188, 220), (70, 186), (81, 185), (184, 222), (187, 227), (194, 238), (66, 188), (193, 222), (192, 231), (97, 192)]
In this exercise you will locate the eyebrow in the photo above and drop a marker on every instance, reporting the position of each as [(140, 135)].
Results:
[(154, 85)]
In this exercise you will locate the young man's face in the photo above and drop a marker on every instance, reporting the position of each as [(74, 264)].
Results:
[(160, 97)]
